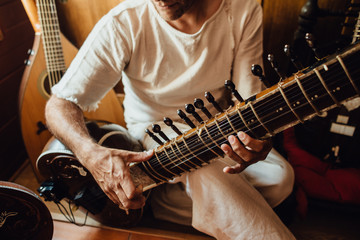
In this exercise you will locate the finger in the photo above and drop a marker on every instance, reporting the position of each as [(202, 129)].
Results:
[(229, 151), (126, 203), (138, 156), (238, 151), (253, 144)]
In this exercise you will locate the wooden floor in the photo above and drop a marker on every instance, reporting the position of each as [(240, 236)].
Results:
[(322, 222), (67, 231)]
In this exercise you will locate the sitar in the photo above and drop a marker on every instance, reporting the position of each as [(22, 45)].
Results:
[(48, 59), (308, 93)]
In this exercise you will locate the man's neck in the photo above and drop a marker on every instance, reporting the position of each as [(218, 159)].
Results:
[(192, 21)]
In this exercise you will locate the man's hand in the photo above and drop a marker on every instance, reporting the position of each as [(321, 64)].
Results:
[(246, 152), (110, 169)]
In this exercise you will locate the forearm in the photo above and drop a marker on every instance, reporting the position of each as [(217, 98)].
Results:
[(65, 121)]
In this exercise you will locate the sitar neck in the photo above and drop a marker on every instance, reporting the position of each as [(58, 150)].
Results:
[(306, 94)]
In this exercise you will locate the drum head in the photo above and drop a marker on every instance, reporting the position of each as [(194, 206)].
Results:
[(23, 215)]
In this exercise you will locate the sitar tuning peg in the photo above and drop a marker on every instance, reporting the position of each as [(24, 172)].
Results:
[(312, 43), (275, 66), (183, 116), (198, 103), (169, 123), (155, 138), (211, 100), (288, 50), (157, 129), (231, 86), (257, 71), (189, 108)]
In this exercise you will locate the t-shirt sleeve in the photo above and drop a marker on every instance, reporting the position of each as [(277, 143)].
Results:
[(98, 65), (248, 51)]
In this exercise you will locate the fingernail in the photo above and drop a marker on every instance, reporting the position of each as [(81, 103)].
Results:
[(241, 135), (150, 152), (231, 139)]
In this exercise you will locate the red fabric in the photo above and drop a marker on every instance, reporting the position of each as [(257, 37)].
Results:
[(316, 179)]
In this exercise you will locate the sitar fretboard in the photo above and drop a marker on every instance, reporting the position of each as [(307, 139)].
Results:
[(308, 93)]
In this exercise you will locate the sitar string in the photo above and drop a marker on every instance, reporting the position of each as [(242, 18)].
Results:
[(294, 86)]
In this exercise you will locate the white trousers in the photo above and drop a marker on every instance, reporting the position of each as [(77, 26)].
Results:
[(227, 206)]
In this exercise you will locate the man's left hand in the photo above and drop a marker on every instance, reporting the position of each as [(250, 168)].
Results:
[(245, 152)]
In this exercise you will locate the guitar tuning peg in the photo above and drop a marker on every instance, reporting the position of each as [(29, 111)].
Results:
[(288, 50), (198, 103), (312, 43), (169, 123), (211, 100), (183, 116), (189, 108), (157, 129), (231, 86), (275, 66), (257, 71), (155, 138)]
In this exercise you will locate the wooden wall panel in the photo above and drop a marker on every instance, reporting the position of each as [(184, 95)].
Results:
[(9, 87), (12, 150), (16, 38)]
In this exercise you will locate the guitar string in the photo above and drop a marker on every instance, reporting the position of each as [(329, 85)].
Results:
[(51, 33), (47, 41), (301, 106), (44, 13)]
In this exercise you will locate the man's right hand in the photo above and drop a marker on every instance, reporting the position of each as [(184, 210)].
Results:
[(110, 168)]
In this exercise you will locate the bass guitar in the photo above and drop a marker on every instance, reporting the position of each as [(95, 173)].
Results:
[(49, 58), (306, 94)]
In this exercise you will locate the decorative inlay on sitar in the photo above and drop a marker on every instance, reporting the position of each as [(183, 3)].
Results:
[(308, 93)]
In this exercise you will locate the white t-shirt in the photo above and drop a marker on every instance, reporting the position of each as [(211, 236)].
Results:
[(163, 69)]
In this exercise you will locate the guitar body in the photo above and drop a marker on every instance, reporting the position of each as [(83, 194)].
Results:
[(35, 91), (23, 215)]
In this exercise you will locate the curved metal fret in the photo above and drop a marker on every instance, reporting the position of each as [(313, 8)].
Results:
[(199, 133), (193, 153), (160, 178), (184, 157), (258, 118), (169, 158), (181, 162), (347, 74), (306, 96), (288, 103), (243, 120), (326, 87)]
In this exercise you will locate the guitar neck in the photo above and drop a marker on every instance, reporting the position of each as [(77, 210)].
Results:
[(51, 37), (308, 93)]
